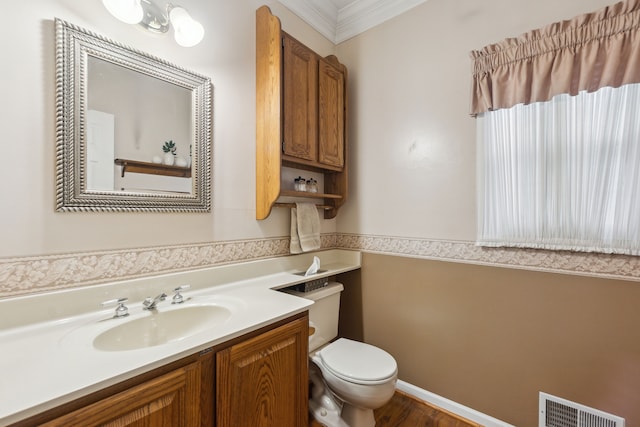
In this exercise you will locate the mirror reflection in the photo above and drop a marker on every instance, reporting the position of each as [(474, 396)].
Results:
[(133, 131), (132, 117)]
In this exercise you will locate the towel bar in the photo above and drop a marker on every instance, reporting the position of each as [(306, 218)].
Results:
[(293, 205)]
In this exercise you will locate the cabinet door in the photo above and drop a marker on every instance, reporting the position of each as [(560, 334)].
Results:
[(300, 94), (331, 105), (263, 382), (170, 400)]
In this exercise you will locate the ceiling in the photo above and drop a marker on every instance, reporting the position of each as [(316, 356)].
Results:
[(339, 20)]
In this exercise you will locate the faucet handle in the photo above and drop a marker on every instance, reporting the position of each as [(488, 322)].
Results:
[(121, 309), (178, 298)]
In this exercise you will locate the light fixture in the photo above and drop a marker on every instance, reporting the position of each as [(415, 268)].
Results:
[(186, 30), (128, 11)]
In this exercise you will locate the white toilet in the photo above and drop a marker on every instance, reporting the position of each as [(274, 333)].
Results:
[(350, 378)]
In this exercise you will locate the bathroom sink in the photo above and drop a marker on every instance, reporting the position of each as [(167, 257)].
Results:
[(161, 327)]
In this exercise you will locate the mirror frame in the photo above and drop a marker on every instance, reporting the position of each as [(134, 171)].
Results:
[(73, 47)]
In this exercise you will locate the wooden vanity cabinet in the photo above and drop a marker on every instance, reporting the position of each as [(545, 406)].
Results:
[(171, 400), (258, 379), (263, 381), (177, 394), (301, 116)]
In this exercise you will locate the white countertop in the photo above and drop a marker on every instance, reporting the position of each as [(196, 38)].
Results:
[(47, 355)]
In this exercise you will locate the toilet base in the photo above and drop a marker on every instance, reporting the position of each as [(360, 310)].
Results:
[(330, 411), (350, 416), (328, 417), (357, 417), (322, 405)]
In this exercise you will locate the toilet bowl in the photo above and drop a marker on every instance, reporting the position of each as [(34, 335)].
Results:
[(349, 378), (356, 378)]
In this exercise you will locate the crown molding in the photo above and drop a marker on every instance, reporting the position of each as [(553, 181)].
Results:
[(339, 25), (362, 15), (321, 15)]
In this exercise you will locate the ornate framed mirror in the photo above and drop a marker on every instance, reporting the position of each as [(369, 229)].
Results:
[(133, 131)]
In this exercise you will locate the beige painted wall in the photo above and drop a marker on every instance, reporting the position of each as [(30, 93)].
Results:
[(30, 225), (412, 170), (491, 338), (412, 173)]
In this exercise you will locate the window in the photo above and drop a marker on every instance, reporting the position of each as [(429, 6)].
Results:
[(562, 174), (558, 123)]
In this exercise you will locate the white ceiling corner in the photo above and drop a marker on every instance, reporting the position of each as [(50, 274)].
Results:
[(339, 20)]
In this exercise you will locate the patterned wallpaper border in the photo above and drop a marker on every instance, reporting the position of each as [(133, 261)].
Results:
[(588, 264), (20, 276)]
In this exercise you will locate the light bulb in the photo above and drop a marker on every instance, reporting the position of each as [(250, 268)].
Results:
[(187, 31), (128, 11)]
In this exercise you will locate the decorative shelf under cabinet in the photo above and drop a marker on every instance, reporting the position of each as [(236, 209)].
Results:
[(306, 194)]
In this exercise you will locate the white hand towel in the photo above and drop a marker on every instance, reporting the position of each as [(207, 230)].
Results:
[(294, 246), (305, 228)]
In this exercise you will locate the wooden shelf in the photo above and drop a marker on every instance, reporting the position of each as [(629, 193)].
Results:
[(135, 166), (324, 196), (293, 205), (289, 193)]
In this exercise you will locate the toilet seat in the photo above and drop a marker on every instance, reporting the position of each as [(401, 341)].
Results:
[(357, 362)]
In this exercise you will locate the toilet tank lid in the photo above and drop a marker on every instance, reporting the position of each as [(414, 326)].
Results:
[(357, 361)]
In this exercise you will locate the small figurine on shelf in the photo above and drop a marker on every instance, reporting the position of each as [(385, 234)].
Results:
[(169, 149), (312, 185), (300, 184)]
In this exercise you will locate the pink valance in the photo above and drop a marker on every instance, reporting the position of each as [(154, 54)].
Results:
[(585, 53)]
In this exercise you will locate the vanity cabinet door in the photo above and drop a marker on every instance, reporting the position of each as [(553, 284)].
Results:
[(171, 400), (263, 381)]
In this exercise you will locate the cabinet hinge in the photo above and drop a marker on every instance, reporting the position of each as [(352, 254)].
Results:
[(206, 350)]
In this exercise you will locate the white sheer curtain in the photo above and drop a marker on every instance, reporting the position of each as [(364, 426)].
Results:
[(562, 174)]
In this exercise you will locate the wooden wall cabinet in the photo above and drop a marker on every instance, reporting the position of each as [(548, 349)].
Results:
[(331, 112), (313, 108), (300, 102), (259, 379), (301, 116)]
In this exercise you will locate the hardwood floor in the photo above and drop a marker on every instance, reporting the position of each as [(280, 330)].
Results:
[(406, 411)]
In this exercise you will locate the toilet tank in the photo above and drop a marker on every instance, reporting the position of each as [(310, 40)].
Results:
[(323, 314)]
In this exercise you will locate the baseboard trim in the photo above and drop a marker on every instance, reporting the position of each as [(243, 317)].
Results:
[(451, 406)]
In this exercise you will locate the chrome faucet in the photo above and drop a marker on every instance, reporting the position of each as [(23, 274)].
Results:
[(150, 303)]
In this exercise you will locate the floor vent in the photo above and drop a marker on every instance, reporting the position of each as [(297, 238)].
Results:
[(557, 412)]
